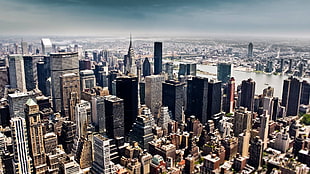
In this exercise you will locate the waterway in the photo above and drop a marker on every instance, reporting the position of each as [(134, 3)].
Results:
[(262, 80)]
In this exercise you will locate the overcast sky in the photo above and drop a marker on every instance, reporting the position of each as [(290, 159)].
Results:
[(184, 17)]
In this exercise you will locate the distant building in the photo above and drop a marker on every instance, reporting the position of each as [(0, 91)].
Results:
[(47, 46), (250, 50), (224, 72), (187, 69), (158, 46), (146, 69)]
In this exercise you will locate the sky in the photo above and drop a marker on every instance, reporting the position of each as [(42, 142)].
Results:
[(147, 17)]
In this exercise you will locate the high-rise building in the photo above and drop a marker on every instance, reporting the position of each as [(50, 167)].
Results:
[(214, 105), (173, 97), (98, 114), (158, 46), (153, 93), (291, 95), (197, 98), (88, 80), (114, 112), (231, 94), (169, 70), (127, 89), (24, 46), (242, 121), (102, 163), (268, 92), (70, 94), (264, 128), (256, 153), (35, 132), (305, 93), (146, 69), (187, 69), (243, 143), (129, 60), (17, 102), (22, 161), (61, 63), (112, 81), (47, 46), (17, 72), (164, 118), (224, 72), (81, 119), (247, 94), (4, 79), (29, 74), (43, 73), (250, 50), (142, 129)]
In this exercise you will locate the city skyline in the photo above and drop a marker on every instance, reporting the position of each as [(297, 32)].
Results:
[(75, 17)]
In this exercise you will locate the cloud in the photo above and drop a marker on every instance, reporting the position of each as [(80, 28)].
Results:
[(197, 16)]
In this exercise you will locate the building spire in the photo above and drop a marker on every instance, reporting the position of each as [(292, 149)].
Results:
[(130, 43)]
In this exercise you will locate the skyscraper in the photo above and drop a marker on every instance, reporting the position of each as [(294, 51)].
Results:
[(305, 93), (22, 161), (242, 121), (250, 50), (247, 94), (158, 46), (231, 94), (173, 97), (29, 74), (146, 67), (17, 102), (61, 63), (256, 153), (224, 72), (129, 60), (98, 114), (17, 72), (4, 77), (187, 69), (197, 98), (127, 89), (291, 95), (46, 46), (114, 112), (88, 80), (264, 127), (43, 73), (81, 119), (35, 132), (70, 94), (153, 93), (214, 98), (102, 162)]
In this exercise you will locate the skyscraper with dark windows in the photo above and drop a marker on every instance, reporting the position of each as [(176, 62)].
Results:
[(153, 93), (61, 63), (214, 98), (247, 94), (146, 67), (250, 50), (173, 97), (224, 72), (29, 74), (256, 152), (197, 98), (305, 93), (291, 95), (158, 46), (127, 89), (114, 113)]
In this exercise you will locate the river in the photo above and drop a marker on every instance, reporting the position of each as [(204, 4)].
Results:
[(262, 80)]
